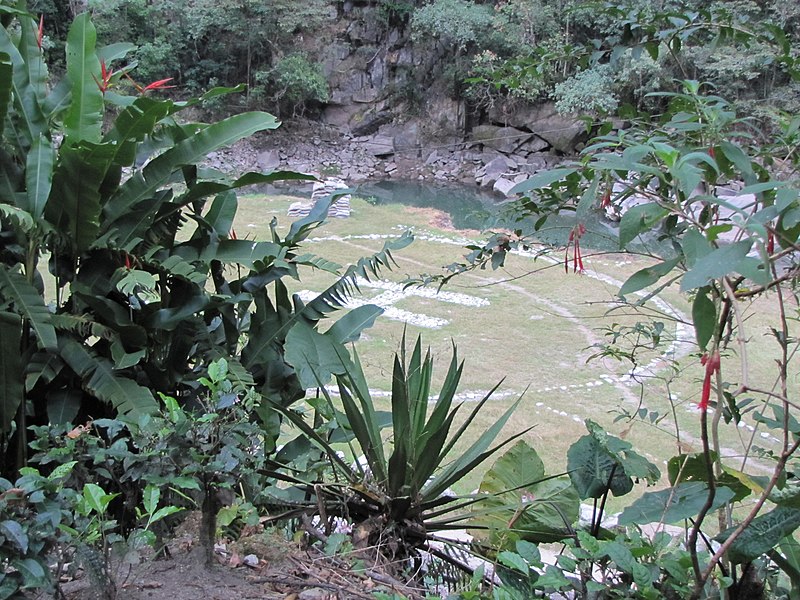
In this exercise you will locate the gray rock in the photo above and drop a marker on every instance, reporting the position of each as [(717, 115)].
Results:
[(268, 160), (371, 122), (503, 186), (378, 145), (502, 139)]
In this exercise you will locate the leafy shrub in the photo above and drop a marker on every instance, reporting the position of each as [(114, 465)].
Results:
[(295, 83), (458, 23), (590, 91)]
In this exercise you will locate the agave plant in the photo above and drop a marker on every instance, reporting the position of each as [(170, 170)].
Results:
[(400, 488)]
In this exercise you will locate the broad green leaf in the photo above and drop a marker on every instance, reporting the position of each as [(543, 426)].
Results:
[(541, 180), (648, 276), (187, 152), (84, 117), (30, 120), (39, 176), (164, 512), (62, 470), (34, 574), (716, 264), (115, 51), (222, 212), (63, 406), (704, 317), (6, 71), (74, 202), (739, 159), (695, 246), (513, 561), (33, 56), (762, 534), (13, 531), (27, 303), (674, 504), (349, 327), (314, 356), (11, 369), (129, 398), (637, 220), (150, 498), (593, 470)]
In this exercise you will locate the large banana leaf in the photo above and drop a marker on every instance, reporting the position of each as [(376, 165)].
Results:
[(29, 304), (75, 196), (29, 120), (11, 369), (38, 176), (84, 118), (33, 57), (97, 374), (144, 183), (6, 70)]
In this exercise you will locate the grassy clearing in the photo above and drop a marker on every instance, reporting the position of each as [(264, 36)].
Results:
[(536, 333)]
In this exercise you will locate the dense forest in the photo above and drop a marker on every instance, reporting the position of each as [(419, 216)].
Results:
[(481, 53)]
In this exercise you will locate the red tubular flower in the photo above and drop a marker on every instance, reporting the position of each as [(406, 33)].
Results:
[(40, 35), (232, 235), (712, 364), (575, 241), (711, 152), (127, 261), (770, 243), (606, 200)]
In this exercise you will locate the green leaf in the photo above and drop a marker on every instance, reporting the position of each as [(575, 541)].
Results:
[(637, 220), (717, 264), (11, 369), (349, 327), (63, 406), (96, 498), (12, 531), (31, 121), (187, 152), (648, 276), (6, 71), (27, 303), (62, 471), (594, 470), (33, 572), (513, 561), (541, 180), (150, 498), (674, 504), (704, 317), (762, 534), (164, 512), (129, 398), (314, 356), (38, 176), (84, 117)]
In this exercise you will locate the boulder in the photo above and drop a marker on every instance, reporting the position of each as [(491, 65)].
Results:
[(562, 132), (502, 139), (371, 122), (378, 145), (503, 186), (268, 160)]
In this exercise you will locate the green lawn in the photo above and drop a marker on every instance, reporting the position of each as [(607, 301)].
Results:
[(532, 326)]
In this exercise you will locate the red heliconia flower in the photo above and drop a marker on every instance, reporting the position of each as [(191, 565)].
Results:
[(105, 77), (575, 241), (158, 85), (712, 363), (40, 35)]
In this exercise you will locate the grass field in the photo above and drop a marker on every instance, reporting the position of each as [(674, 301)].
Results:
[(531, 326)]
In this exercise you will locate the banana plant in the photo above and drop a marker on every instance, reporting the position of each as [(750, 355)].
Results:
[(401, 486), (116, 248)]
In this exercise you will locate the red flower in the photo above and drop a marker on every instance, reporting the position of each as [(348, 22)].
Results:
[(606, 201), (575, 240), (711, 152), (712, 364), (232, 235), (41, 32), (105, 77), (156, 85), (770, 243), (127, 261)]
